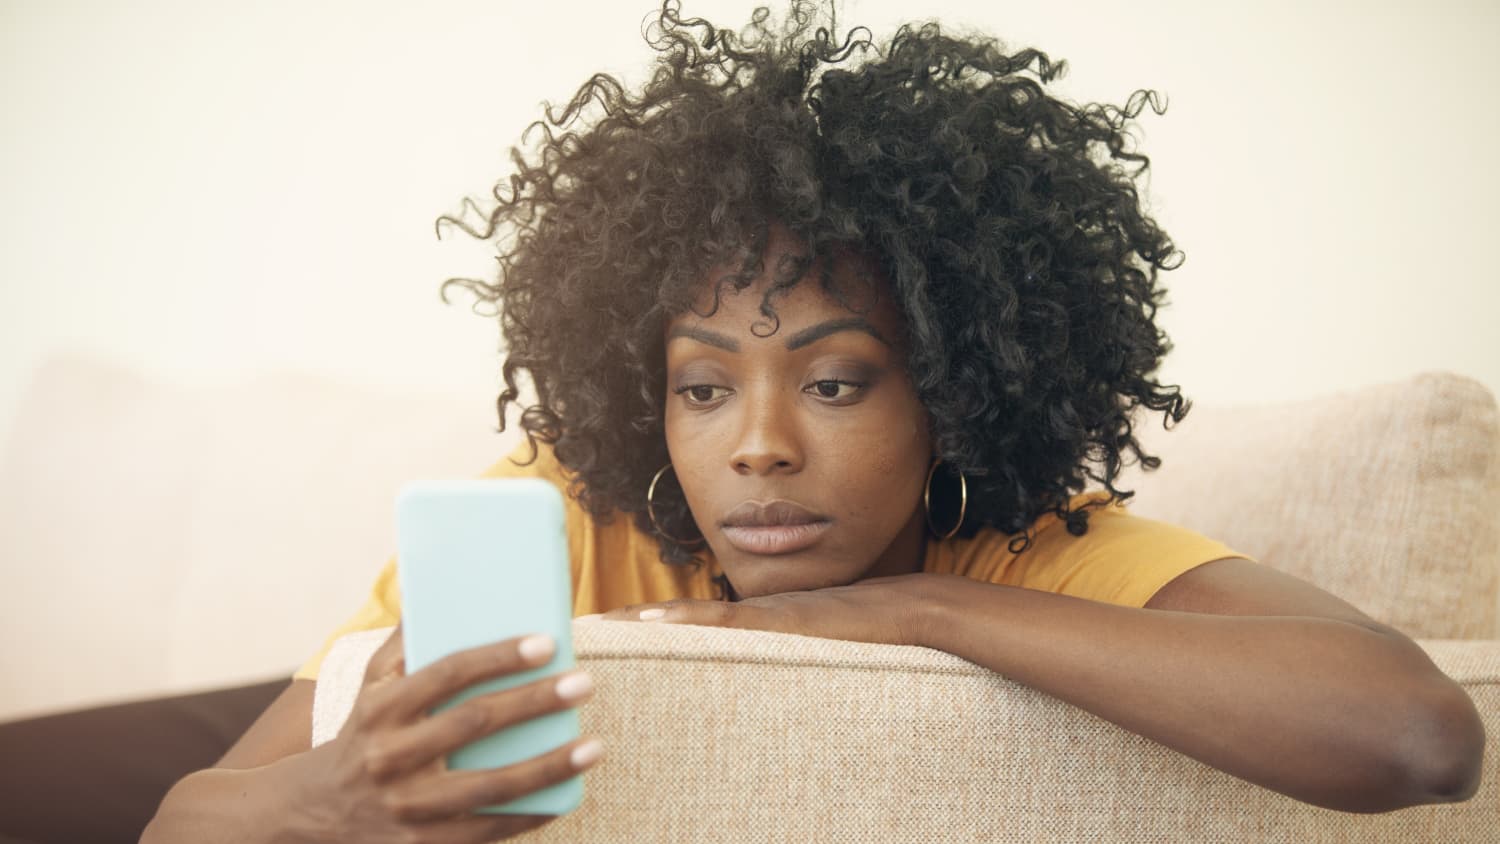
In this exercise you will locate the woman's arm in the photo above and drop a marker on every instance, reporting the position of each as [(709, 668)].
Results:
[(245, 795), (248, 805), (1244, 674), (383, 777)]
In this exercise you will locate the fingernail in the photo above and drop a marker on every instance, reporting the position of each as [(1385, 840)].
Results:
[(586, 753), (536, 647), (575, 685), (649, 615)]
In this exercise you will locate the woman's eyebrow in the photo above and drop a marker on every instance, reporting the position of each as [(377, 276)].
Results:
[(805, 337), (817, 332), (703, 335)]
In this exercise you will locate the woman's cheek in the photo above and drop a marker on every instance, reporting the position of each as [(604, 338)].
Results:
[(884, 464), (685, 427)]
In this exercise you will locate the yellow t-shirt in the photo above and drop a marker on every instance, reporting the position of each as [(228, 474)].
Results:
[(1123, 559)]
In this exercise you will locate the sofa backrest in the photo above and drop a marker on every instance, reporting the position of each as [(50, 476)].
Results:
[(1384, 495), (169, 537)]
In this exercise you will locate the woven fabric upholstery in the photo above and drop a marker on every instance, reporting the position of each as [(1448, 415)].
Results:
[(1385, 496), (723, 735)]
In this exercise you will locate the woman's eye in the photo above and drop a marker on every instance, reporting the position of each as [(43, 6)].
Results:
[(699, 393), (835, 389)]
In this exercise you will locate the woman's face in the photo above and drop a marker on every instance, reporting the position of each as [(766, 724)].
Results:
[(802, 454)]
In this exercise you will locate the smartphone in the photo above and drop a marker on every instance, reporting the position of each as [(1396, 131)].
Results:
[(478, 561)]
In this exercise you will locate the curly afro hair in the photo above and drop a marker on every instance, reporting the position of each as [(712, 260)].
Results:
[(1012, 238)]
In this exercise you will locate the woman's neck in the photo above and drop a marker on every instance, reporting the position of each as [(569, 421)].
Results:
[(906, 553)]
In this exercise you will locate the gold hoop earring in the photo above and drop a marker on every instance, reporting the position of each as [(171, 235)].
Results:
[(650, 511), (963, 501)]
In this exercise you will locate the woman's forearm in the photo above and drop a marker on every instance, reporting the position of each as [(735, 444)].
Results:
[(1328, 712), (247, 806)]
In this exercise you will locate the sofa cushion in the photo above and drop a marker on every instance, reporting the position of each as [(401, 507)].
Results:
[(174, 536), (293, 512), (1383, 495), (96, 483), (724, 735)]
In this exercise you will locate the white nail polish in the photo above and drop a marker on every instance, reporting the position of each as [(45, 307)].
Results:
[(575, 685), (536, 647), (586, 753)]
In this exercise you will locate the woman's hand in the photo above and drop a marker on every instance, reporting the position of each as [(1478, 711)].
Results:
[(882, 610), (384, 778)]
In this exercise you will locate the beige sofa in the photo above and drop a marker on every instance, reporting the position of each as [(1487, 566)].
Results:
[(164, 536), (1383, 495)]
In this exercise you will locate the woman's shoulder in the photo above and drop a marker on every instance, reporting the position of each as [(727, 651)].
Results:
[(1120, 557), (1110, 529), (538, 460)]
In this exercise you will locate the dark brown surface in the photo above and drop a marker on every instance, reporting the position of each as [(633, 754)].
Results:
[(96, 776)]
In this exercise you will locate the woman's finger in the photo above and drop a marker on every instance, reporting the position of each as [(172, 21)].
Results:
[(452, 793), (415, 694), (481, 829), (416, 745)]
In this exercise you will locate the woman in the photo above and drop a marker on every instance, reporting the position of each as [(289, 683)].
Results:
[(827, 338)]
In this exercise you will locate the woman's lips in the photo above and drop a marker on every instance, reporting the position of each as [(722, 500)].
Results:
[(775, 539)]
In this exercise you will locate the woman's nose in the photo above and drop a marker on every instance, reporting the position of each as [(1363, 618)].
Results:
[(768, 440)]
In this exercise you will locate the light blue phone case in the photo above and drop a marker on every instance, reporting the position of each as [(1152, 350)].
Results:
[(481, 560)]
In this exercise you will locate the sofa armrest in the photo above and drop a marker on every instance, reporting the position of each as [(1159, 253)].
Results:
[(340, 678), (712, 734)]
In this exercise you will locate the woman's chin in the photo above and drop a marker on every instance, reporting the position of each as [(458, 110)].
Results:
[(757, 576)]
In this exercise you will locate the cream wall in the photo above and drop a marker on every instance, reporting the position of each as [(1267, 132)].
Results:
[(205, 190), (200, 188)]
